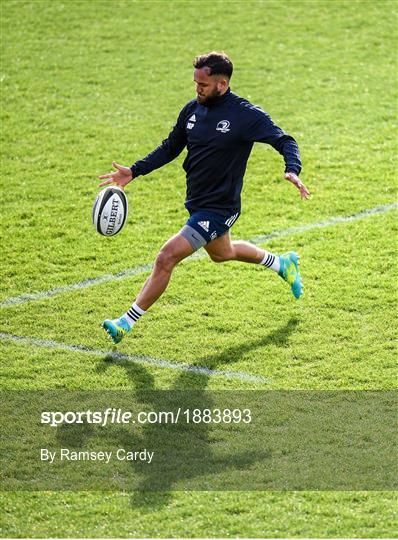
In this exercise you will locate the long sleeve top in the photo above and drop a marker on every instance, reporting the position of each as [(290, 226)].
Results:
[(219, 137)]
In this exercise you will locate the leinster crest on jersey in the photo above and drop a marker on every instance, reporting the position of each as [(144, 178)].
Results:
[(223, 126)]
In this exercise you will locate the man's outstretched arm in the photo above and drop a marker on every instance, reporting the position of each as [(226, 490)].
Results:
[(168, 150), (262, 129)]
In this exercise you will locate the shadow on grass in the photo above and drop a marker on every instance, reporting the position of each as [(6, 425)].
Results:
[(279, 337), (194, 440)]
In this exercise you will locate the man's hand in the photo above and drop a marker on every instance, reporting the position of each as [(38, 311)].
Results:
[(122, 176), (295, 180)]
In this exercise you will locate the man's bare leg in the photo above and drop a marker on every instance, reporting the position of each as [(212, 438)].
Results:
[(287, 265), (223, 249), (174, 251)]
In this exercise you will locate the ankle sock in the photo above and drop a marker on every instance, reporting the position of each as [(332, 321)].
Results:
[(271, 261), (133, 314)]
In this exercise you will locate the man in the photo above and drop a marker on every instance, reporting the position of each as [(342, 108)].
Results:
[(219, 129)]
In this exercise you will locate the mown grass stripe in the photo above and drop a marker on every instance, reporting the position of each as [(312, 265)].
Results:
[(30, 297), (139, 358)]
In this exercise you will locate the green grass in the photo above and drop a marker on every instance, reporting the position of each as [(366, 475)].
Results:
[(84, 83)]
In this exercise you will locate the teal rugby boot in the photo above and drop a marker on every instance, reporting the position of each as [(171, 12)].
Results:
[(290, 272), (116, 329)]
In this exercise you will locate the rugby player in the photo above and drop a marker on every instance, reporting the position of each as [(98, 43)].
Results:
[(219, 129)]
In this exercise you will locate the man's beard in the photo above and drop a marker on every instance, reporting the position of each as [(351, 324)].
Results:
[(208, 100)]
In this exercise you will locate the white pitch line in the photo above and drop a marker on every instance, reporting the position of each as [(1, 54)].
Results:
[(382, 209), (30, 297), (139, 358)]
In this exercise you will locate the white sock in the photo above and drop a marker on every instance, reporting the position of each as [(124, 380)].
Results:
[(133, 314), (271, 261)]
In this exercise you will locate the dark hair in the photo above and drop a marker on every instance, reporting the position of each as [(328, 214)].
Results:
[(219, 63)]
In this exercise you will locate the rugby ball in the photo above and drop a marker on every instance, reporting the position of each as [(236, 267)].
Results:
[(110, 211)]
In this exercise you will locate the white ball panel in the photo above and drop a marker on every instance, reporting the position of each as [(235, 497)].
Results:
[(110, 211)]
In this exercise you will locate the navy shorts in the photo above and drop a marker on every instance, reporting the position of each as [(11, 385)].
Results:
[(204, 226)]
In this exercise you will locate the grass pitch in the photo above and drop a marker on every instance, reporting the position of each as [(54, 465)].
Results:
[(84, 83)]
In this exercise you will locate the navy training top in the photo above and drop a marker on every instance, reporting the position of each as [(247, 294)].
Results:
[(219, 136)]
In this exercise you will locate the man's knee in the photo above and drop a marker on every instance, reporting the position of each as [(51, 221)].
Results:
[(166, 260), (173, 251)]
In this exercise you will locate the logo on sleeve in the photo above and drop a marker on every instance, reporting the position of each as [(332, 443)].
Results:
[(223, 126), (191, 121)]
